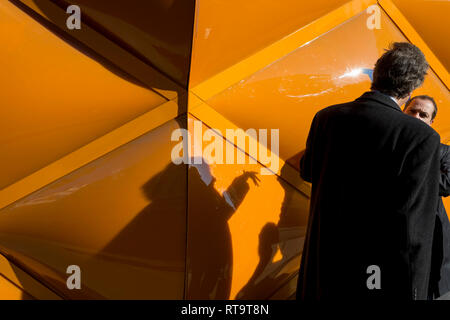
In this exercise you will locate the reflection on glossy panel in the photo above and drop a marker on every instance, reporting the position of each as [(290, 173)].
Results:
[(121, 219), (245, 230), (54, 99), (228, 31)]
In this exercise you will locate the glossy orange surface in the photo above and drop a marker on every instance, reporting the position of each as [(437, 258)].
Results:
[(121, 219), (16, 284), (9, 291), (429, 18), (228, 31), (54, 98), (99, 45), (157, 31)]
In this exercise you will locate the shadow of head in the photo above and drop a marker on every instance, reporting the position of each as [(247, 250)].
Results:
[(164, 185)]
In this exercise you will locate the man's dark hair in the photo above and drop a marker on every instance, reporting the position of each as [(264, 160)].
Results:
[(423, 97), (400, 70)]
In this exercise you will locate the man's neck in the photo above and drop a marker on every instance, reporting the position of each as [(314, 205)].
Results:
[(399, 102)]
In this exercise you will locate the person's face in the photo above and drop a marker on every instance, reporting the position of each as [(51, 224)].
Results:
[(421, 109)]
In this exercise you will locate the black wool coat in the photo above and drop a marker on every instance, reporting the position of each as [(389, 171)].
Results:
[(375, 190), (440, 266)]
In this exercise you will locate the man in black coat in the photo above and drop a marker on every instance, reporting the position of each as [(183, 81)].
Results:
[(375, 178), (425, 108)]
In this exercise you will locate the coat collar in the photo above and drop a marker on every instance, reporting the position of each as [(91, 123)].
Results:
[(381, 98)]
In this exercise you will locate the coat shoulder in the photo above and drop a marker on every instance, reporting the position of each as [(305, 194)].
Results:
[(333, 109), (411, 129)]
